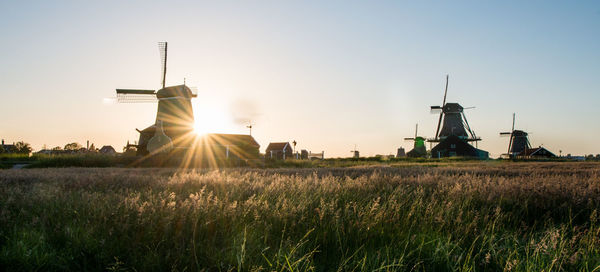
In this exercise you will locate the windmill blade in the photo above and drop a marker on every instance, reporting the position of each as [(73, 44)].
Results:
[(416, 130), (513, 126), (468, 108), (132, 98), (437, 131), (505, 134), (136, 96), (409, 139), (510, 142), (162, 47), (445, 91), (135, 91), (435, 110)]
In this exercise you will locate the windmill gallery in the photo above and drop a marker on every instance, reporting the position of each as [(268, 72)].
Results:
[(172, 133)]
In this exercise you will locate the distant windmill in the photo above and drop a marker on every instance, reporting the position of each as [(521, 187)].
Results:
[(355, 153), (455, 122), (419, 145), (174, 108), (519, 141)]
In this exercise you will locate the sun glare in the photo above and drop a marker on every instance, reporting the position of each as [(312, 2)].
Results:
[(210, 118)]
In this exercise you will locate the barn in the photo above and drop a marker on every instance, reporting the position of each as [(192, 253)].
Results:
[(279, 151)]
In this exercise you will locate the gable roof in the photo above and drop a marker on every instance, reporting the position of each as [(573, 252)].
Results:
[(229, 139), (539, 151), (107, 149), (277, 146)]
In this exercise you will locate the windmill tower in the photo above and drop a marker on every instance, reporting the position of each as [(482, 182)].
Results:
[(355, 153), (519, 141), (418, 146), (174, 110), (455, 134), (455, 122)]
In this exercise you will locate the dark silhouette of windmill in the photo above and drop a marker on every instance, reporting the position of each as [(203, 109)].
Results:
[(419, 149), (454, 121), (355, 153), (519, 141), (455, 134), (174, 108)]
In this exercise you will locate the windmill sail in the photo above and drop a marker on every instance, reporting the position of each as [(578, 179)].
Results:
[(136, 96), (162, 47)]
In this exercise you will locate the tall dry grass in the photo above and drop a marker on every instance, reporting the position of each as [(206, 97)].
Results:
[(454, 217)]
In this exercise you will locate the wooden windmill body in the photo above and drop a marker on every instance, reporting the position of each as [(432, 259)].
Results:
[(174, 109)]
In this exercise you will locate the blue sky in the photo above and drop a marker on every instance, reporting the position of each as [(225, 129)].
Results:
[(328, 74)]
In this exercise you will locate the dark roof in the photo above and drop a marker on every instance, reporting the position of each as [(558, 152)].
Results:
[(539, 151), (174, 91), (277, 146), (9, 148), (107, 149), (230, 139)]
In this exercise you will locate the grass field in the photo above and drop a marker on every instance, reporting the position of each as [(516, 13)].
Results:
[(459, 216)]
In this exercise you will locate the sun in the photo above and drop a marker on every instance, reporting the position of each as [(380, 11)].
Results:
[(210, 118)]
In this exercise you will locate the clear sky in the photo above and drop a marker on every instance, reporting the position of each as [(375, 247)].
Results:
[(328, 74)]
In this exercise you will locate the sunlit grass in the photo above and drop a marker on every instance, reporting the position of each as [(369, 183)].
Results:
[(454, 217)]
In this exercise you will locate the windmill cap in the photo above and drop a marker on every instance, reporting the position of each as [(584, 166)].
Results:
[(175, 91), (517, 132), (453, 107)]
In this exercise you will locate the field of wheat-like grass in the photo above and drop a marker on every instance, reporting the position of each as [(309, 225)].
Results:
[(451, 217)]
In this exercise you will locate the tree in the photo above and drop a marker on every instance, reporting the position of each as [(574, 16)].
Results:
[(57, 148), (92, 148), (72, 146), (23, 147)]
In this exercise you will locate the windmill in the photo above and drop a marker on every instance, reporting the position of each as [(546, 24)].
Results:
[(519, 141), (419, 145), (455, 134), (174, 110), (455, 122), (355, 153)]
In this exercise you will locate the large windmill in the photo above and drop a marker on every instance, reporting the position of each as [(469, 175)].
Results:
[(455, 134), (419, 145), (174, 110), (455, 121), (519, 141)]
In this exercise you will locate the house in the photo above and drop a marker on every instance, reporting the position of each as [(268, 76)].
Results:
[(227, 146), (108, 150), (538, 152), (279, 151), (8, 148), (453, 146)]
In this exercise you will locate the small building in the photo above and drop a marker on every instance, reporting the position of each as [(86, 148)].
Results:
[(8, 148), (304, 154), (108, 150), (228, 146), (453, 146), (279, 151), (401, 153), (538, 152)]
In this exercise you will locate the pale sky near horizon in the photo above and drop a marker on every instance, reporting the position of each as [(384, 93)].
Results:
[(328, 74)]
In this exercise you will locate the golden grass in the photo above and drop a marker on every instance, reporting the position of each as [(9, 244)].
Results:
[(463, 216)]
